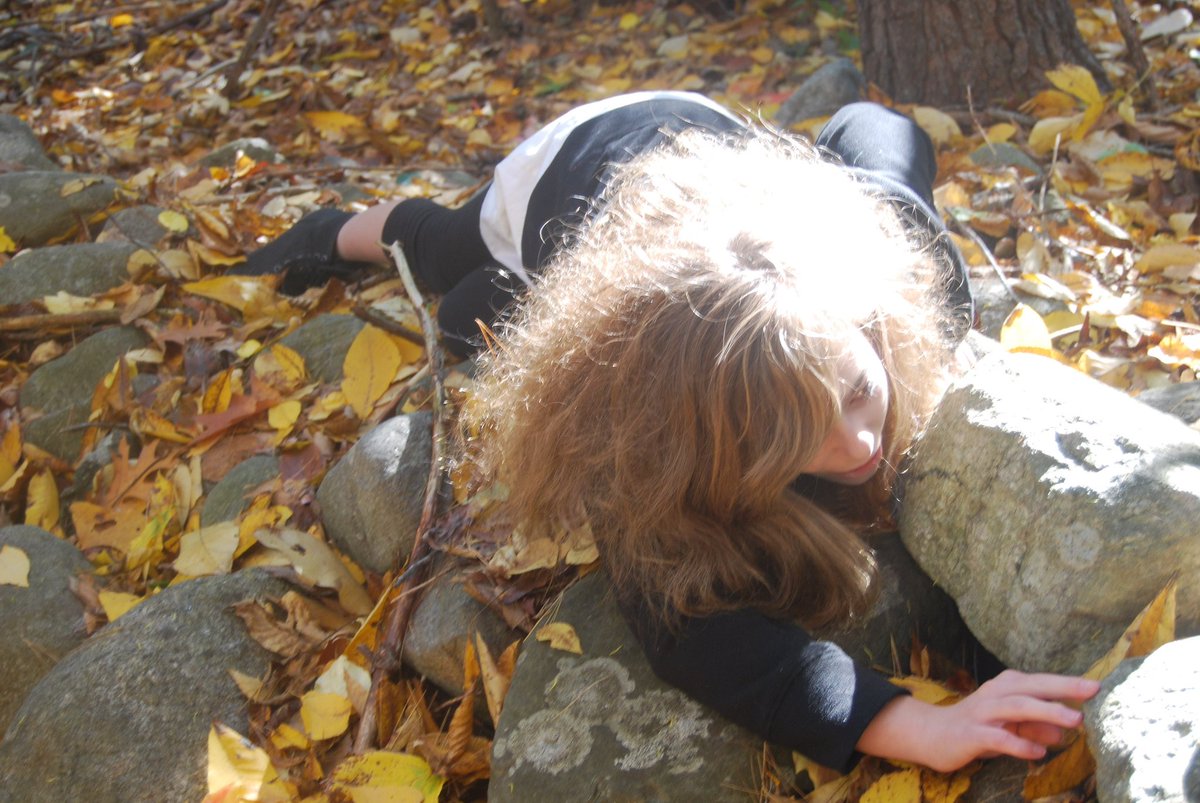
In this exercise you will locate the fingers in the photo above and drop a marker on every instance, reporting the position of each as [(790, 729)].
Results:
[(1046, 686), (1039, 732)]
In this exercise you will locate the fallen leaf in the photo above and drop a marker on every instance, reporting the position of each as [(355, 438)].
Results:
[(560, 636), (325, 715), (118, 603), (347, 679), (895, 787), (926, 690), (940, 127), (14, 567), (317, 563), (1025, 329), (1062, 773), (41, 503), (495, 683), (389, 776), (7, 246), (173, 221), (207, 551), (240, 771), (335, 126), (369, 368)]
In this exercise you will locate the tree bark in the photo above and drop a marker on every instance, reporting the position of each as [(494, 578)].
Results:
[(946, 52)]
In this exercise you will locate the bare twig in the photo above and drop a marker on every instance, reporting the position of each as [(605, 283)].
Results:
[(1137, 55), (971, 235), (158, 30), (398, 615), (378, 319), (233, 76), (91, 317)]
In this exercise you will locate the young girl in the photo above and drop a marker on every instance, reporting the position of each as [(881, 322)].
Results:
[(484, 254), (722, 374)]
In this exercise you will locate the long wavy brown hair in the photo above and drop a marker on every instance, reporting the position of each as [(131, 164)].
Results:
[(676, 368)]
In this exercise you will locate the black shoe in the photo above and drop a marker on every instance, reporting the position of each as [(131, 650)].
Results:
[(306, 254)]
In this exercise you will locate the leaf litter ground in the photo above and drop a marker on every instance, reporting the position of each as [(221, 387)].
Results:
[(372, 100)]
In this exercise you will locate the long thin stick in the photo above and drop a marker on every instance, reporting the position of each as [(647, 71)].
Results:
[(90, 317), (397, 617), (1137, 55), (233, 76)]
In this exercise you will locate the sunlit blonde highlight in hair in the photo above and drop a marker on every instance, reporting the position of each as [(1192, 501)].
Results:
[(677, 367)]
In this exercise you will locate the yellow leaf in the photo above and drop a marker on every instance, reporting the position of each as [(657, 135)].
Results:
[(334, 125), (345, 678), (629, 21), (1150, 629), (1168, 255), (208, 550), (1062, 773), (926, 690), (219, 392), (1024, 328), (316, 563), (1001, 132), (1078, 82), (396, 775), (241, 771), (78, 185), (939, 788), (282, 417), (249, 295), (895, 787), (290, 362), (62, 303), (940, 127), (7, 246), (286, 736), (149, 424), (179, 265), (325, 715), (173, 221), (368, 631), (14, 567), (561, 636), (1046, 133), (41, 503), (147, 548), (370, 366), (117, 603), (120, 20)]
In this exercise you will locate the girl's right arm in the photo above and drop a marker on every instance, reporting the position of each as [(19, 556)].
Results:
[(1014, 714)]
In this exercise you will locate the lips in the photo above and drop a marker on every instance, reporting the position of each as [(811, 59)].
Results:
[(869, 466)]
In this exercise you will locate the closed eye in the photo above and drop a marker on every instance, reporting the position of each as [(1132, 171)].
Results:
[(862, 389)]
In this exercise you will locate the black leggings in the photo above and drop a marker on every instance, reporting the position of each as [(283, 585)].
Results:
[(447, 252)]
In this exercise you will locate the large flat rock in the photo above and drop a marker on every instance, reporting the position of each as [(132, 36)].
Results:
[(1053, 508)]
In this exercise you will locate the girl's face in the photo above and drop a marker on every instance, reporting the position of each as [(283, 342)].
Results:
[(851, 453)]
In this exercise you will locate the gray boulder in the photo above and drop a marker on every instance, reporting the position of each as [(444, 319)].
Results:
[(137, 224), (230, 496), (1052, 508), (831, 87), (371, 499), (1181, 400), (601, 726), (125, 717), (446, 618), (59, 393), (1004, 154), (82, 269), (34, 210), (43, 622), (19, 145), (323, 343), (1144, 727)]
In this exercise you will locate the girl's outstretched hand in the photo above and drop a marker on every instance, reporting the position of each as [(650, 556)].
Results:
[(1014, 714)]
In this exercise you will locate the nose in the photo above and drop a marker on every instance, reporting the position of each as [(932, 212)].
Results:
[(857, 438)]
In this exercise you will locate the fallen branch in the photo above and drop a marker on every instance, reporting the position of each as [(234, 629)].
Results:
[(233, 76), (49, 320), (378, 319), (1137, 55), (398, 615)]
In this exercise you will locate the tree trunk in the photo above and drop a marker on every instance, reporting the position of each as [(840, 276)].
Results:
[(944, 52)]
